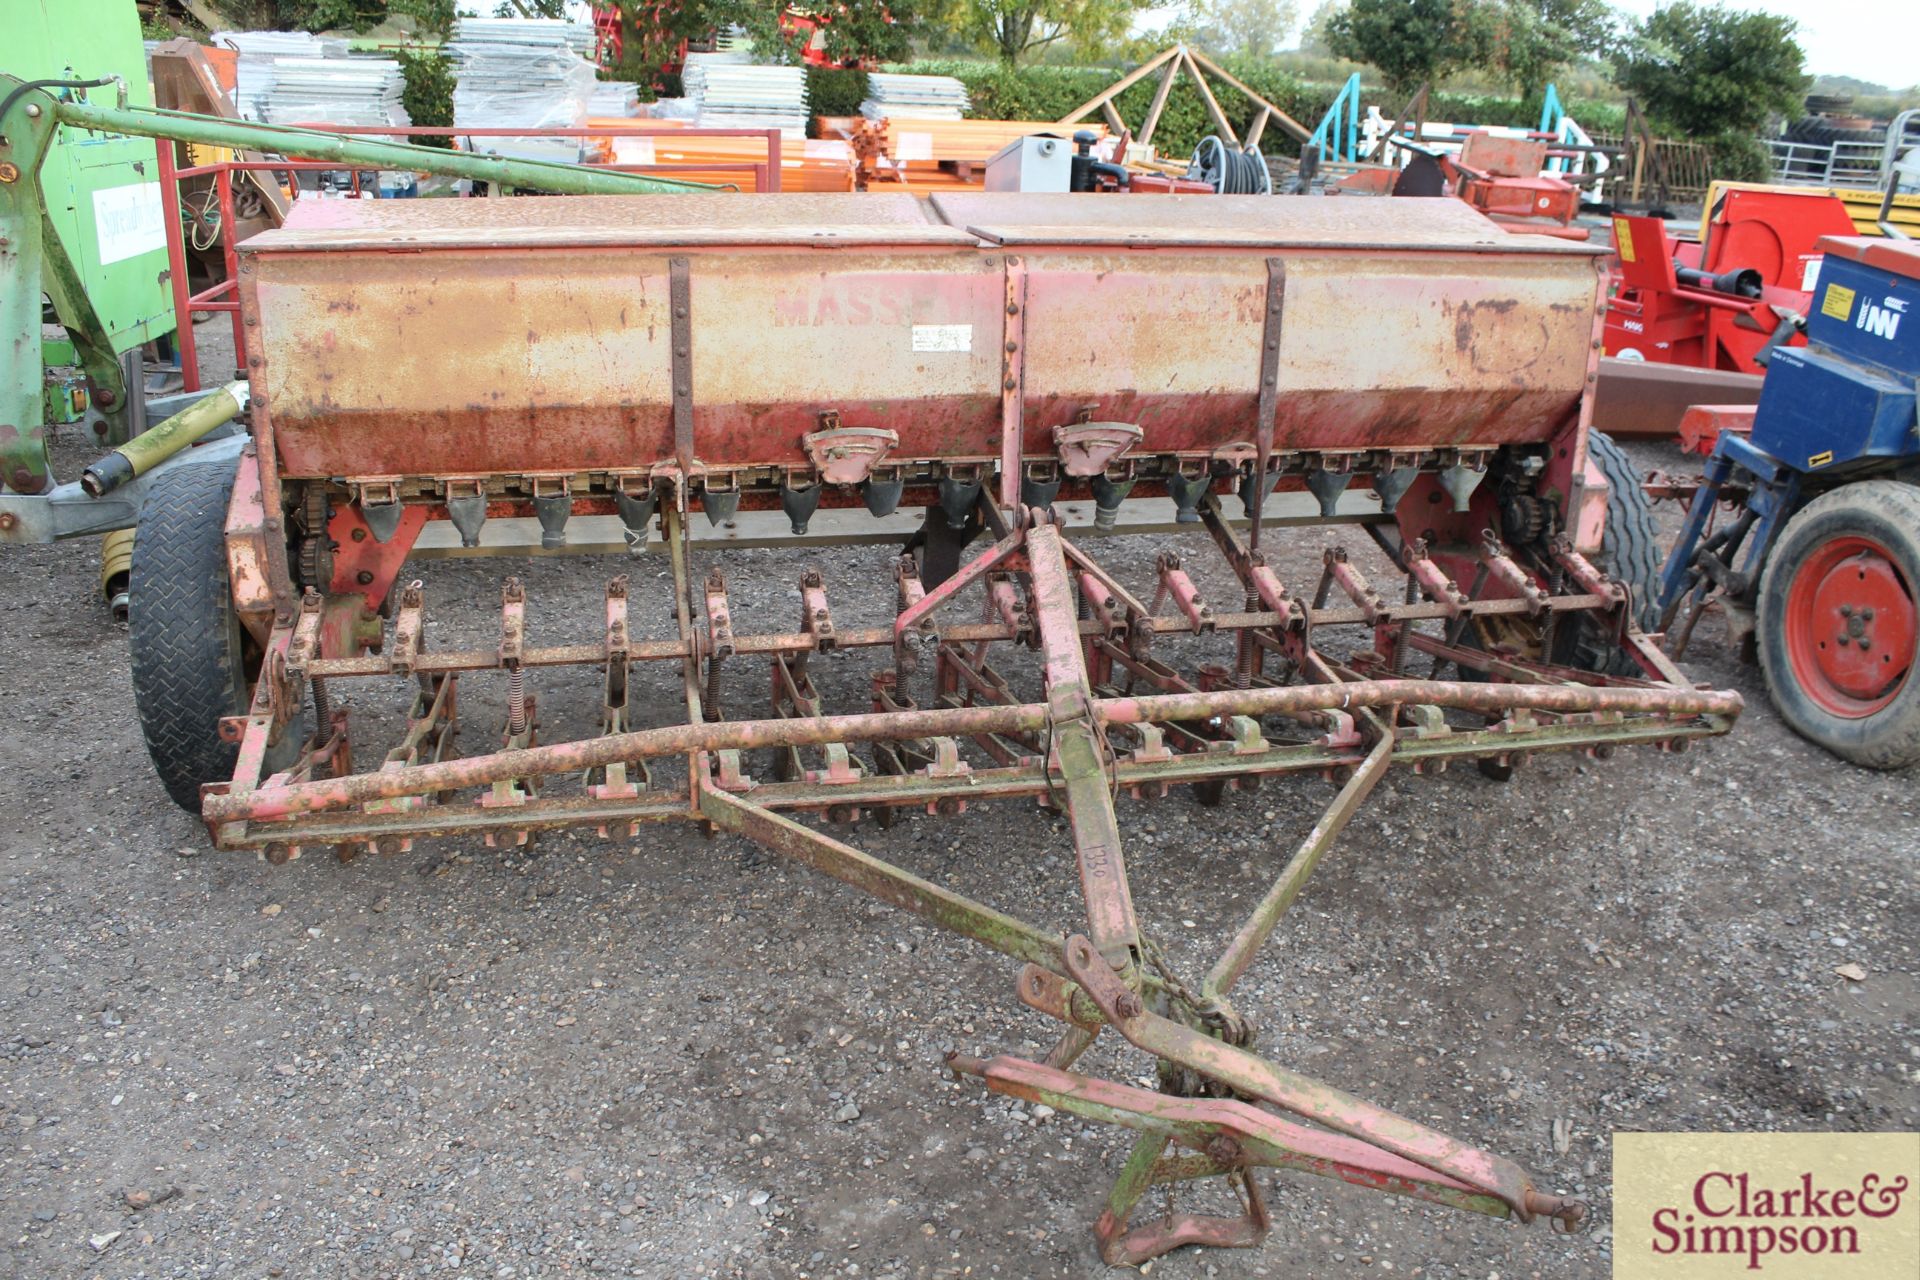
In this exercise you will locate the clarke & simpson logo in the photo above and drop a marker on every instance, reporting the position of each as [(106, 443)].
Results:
[(1788, 1206), (1728, 1214)]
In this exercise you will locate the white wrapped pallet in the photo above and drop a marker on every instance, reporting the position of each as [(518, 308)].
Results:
[(345, 91), (900, 97), (522, 72), (258, 51), (753, 97), (614, 99)]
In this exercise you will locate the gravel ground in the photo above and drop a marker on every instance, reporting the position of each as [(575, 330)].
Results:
[(674, 1057)]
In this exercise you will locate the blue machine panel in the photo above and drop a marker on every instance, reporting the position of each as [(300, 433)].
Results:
[(1849, 393), (1867, 314)]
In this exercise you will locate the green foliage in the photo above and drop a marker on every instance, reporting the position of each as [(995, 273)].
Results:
[(1246, 28), (1315, 38), (1017, 30), (1529, 41), (1410, 41), (1708, 71), (428, 91), (832, 92), (861, 30), (303, 15), (650, 37), (1740, 157), (430, 17)]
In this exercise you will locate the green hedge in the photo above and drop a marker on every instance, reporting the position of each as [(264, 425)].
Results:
[(1049, 92), (834, 92), (427, 91)]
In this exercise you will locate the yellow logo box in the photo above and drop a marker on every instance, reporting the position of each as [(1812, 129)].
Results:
[(1784, 1206)]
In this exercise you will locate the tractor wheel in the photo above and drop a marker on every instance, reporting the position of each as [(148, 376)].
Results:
[(193, 662), (1839, 623), (1630, 551)]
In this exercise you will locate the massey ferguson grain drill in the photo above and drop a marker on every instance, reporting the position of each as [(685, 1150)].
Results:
[(989, 359)]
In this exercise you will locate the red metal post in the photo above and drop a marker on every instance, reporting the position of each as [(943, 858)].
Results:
[(228, 230), (177, 267)]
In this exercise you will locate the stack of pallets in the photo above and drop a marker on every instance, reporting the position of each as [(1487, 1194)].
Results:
[(935, 155), (805, 165)]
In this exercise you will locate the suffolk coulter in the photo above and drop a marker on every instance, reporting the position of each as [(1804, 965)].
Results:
[(992, 360)]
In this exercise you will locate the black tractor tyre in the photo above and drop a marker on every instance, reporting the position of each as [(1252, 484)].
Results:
[(1884, 514), (1630, 552), (192, 660)]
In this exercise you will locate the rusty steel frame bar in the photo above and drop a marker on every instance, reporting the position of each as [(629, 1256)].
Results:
[(1253, 935), (644, 744), (1196, 1123)]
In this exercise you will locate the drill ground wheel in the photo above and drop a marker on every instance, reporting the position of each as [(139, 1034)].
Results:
[(1839, 623), (193, 662), (1630, 551)]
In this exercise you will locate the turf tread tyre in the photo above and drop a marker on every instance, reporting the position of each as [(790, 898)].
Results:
[(1629, 546), (1629, 551), (183, 635), (1889, 512)]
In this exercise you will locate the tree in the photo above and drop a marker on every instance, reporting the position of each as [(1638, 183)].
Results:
[(1015, 28), (430, 17), (1708, 71), (1251, 28), (1314, 36), (858, 31), (302, 15), (1530, 40), (1409, 41)]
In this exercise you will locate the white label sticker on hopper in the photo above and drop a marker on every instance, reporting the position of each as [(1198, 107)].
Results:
[(943, 337), (913, 146), (127, 221)]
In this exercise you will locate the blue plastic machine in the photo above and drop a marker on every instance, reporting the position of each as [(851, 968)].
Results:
[(1823, 559)]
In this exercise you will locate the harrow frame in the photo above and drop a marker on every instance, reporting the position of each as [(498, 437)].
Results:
[(1346, 719)]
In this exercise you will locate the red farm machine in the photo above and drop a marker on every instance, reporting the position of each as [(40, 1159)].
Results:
[(1721, 301), (992, 359)]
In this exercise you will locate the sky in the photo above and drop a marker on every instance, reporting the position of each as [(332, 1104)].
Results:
[(1876, 40)]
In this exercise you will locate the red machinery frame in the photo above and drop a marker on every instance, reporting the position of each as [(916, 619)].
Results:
[(1657, 316), (222, 296)]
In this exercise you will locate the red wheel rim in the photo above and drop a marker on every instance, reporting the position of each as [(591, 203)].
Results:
[(1851, 627)]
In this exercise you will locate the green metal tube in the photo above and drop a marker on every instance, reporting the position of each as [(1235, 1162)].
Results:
[(159, 442), (313, 144)]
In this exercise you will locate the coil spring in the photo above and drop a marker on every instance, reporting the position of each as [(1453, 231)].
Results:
[(322, 712), (1406, 628), (516, 702)]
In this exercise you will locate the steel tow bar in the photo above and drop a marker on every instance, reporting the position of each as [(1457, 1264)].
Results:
[(1250, 1074)]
